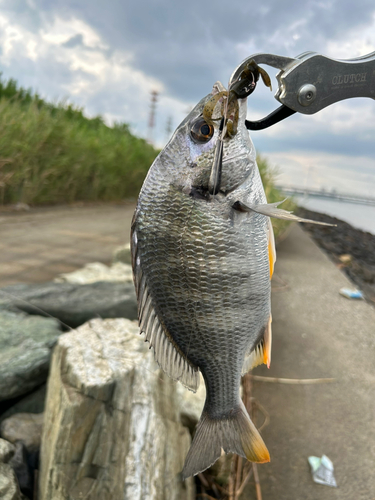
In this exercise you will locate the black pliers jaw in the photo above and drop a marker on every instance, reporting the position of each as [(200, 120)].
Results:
[(276, 116)]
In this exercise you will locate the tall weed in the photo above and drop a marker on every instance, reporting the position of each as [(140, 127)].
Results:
[(268, 175), (51, 155)]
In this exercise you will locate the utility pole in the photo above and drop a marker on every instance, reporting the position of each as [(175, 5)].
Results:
[(168, 128), (151, 121)]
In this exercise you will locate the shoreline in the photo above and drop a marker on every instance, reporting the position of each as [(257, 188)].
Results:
[(351, 250)]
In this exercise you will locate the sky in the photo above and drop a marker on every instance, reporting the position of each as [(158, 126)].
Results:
[(107, 57)]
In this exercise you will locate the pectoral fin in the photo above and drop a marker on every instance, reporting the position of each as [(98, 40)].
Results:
[(271, 210)]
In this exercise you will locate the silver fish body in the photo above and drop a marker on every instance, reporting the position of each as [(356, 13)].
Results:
[(202, 274)]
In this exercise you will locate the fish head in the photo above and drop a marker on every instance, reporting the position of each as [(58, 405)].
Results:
[(189, 155)]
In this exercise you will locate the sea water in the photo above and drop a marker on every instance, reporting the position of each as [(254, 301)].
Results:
[(359, 216)]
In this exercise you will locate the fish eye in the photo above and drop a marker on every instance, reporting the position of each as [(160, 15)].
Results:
[(201, 131)]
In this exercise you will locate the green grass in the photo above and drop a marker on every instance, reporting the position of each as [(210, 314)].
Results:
[(268, 175), (10, 90), (49, 157)]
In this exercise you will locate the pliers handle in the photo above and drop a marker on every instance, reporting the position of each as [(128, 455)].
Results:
[(311, 82)]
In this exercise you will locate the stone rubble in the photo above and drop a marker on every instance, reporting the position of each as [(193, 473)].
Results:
[(7, 450), (96, 271), (23, 465), (112, 423), (32, 403), (9, 489), (70, 303), (122, 254), (25, 350), (23, 427)]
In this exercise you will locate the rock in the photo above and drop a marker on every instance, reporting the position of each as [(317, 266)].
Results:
[(364, 271), (96, 271), (112, 428), (24, 427), (369, 291), (122, 254), (20, 466), (25, 350), (32, 403), (344, 240), (24, 430), (72, 304), (7, 450), (9, 489), (21, 207)]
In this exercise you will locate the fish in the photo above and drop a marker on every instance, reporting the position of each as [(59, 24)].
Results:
[(202, 262)]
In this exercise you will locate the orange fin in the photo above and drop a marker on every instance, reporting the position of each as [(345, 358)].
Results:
[(262, 352), (233, 434), (267, 343), (271, 247)]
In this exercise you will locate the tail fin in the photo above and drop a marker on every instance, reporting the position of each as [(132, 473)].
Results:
[(236, 434)]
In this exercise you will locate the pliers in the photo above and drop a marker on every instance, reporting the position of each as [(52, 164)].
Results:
[(309, 82)]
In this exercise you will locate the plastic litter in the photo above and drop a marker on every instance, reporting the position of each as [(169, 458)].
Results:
[(322, 471), (351, 293), (345, 258)]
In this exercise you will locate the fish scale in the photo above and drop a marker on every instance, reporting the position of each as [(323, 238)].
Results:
[(219, 282)]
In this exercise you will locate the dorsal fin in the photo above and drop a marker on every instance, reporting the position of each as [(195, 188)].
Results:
[(167, 354)]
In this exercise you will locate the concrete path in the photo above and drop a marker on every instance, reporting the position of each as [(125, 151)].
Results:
[(38, 245), (317, 334)]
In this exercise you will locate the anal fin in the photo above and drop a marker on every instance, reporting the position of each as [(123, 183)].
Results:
[(262, 351)]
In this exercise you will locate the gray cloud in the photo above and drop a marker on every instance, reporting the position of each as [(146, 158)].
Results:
[(318, 140), (187, 45), (74, 41)]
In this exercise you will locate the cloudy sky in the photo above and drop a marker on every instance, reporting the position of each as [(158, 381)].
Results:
[(107, 56)]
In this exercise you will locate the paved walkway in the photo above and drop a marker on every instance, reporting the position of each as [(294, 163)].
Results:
[(316, 334), (38, 245)]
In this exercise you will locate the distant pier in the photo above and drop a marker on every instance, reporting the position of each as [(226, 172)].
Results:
[(331, 195)]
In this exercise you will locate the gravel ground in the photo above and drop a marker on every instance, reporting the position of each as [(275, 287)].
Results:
[(351, 249)]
